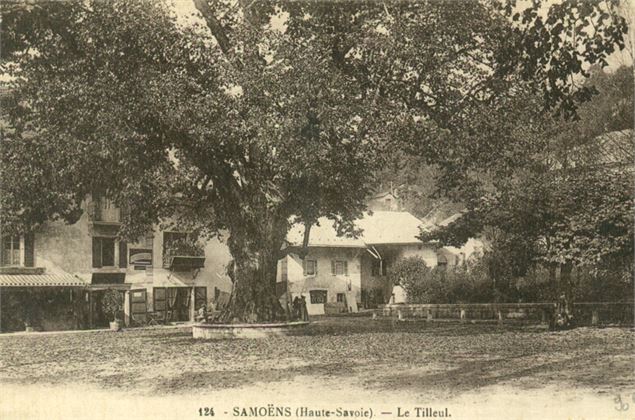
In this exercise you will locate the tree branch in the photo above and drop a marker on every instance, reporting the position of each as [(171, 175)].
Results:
[(214, 25)]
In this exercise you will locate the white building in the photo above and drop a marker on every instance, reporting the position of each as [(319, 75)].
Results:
[(339, 273)]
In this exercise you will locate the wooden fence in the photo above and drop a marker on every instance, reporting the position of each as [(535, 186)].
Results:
[(585, 313)]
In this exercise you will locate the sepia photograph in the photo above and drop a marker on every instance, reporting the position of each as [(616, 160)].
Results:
[(317, 209)]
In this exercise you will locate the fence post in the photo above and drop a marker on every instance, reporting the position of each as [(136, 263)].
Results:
[(595, 317), (499, 313), (429, 315), (462, 315), (399, 315), (543, 316), (374, 315)]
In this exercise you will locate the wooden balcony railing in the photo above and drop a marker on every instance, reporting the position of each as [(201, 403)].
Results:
[(183, 255)]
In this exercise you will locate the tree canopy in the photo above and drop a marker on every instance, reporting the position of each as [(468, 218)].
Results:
[(570, 203)]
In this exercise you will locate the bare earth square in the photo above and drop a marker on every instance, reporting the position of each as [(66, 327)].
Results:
[(402, 361)]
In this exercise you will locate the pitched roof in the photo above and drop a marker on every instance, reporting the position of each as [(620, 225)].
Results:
[(449, 220), (390, 227), (616, 147), (382, 194), (39, 280), (382, 227), (322, 235), (613, 148)]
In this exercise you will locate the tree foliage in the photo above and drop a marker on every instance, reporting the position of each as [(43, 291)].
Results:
[(567, 207), (465, 283)]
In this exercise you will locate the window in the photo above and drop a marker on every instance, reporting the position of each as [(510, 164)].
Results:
[(10, 250), (29, 250), (442, 262), (318, 296), (182, 244), (339, 268), (284, 276), (103, 252), (310, 267), (104, 210), (171, 238), (379, 267), (341, 297)]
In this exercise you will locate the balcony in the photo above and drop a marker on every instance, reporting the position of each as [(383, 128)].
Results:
[(182, 255), (103, 212), (21, 270)]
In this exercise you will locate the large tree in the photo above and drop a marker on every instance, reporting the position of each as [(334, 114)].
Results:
[(567, 204), (264, 114)]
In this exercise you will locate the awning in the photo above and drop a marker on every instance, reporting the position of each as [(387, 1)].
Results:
[(183, 262), (41, 280)]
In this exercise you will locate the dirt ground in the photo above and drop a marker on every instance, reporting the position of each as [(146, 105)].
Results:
[(478, 371)]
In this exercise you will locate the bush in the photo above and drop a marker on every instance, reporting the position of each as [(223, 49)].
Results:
[(603, 285), (468, 283), (421, 284), (462, 284), (535, 286), (472, 283), (112, 304)]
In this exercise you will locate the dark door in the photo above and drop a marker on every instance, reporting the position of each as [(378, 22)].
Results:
[(200, 296), (184, 295), (160, 303), (138, 306)]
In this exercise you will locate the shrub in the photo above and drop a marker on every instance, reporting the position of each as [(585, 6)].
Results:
[(472, 283), (613, 284), (422, 285), (112, 304), (469, 283)]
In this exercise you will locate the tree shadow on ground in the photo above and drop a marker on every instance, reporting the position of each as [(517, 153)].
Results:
[(438, 328), (192, 381), (526, 372)]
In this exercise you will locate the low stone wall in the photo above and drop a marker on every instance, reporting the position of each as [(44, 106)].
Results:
[(585, 313), (603, 313), (225, 331)]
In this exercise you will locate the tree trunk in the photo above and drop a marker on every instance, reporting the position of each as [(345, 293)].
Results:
[(253, 272), (553, 282), (563, 317)]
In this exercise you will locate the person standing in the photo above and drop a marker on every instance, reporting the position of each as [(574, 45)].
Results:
[(296, 313), (303, 309)]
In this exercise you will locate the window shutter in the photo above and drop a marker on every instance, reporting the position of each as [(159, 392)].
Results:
[(29, 251), (346, 268), (96, 253), (315, 267), (123, 254), (304, 267), (333, 267)]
